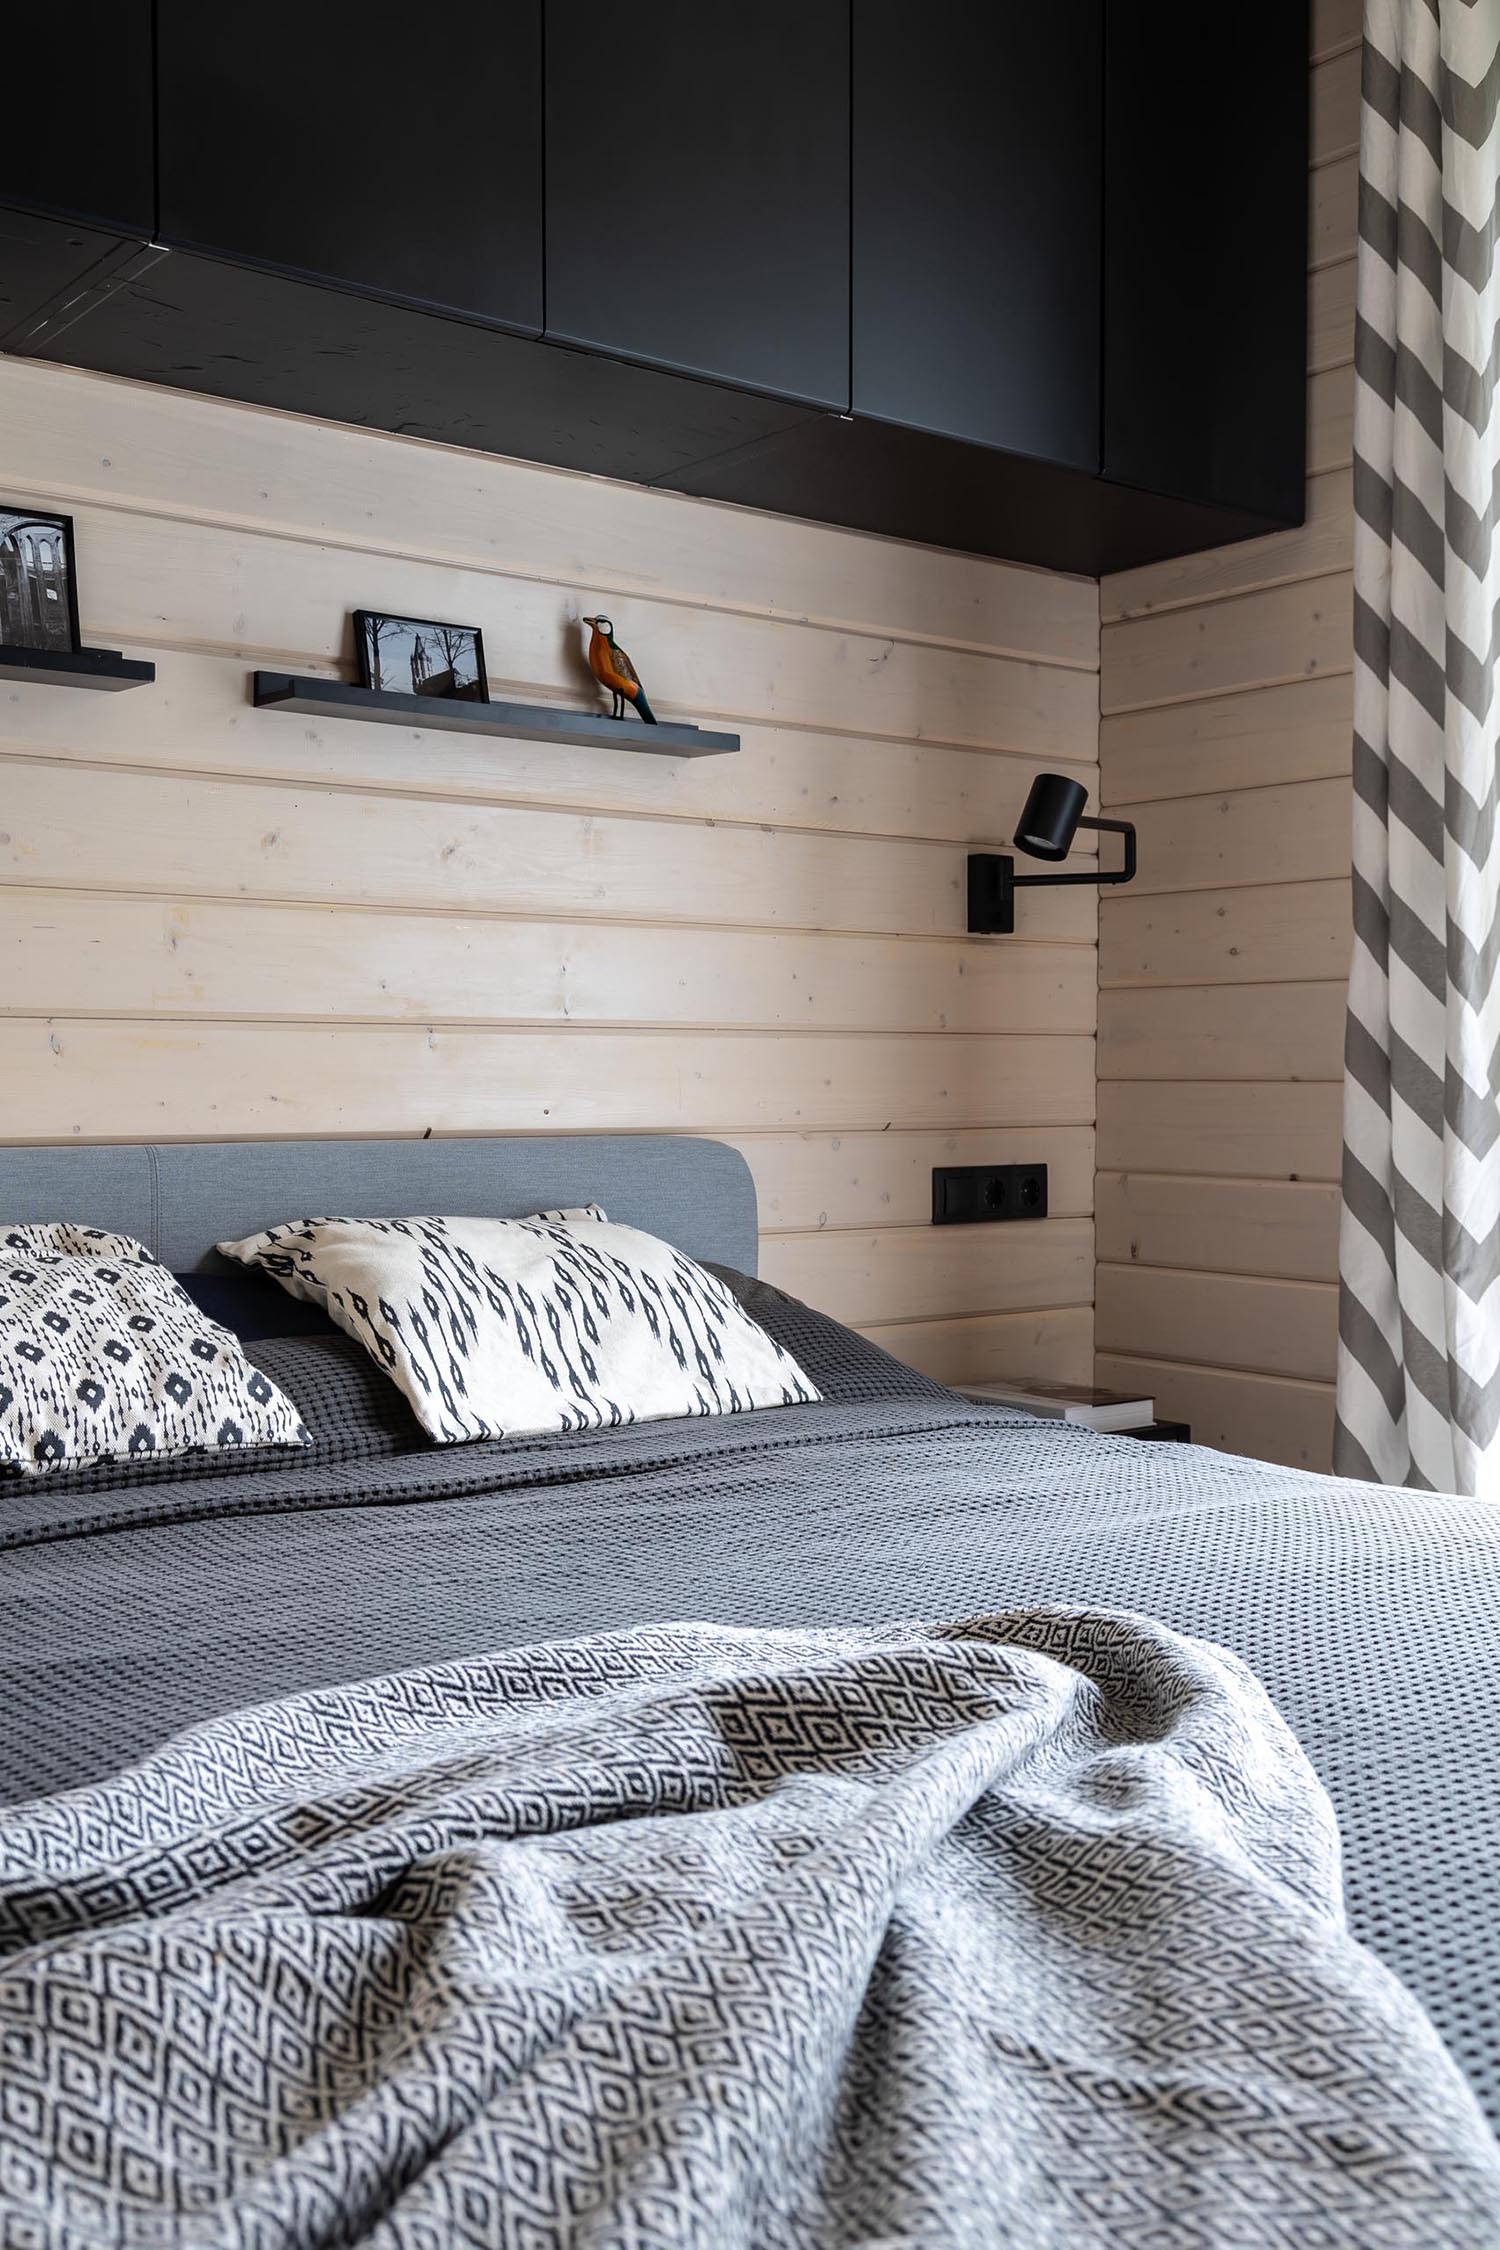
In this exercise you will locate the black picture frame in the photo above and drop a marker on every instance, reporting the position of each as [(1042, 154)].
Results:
[(29, 583), (377, 663)]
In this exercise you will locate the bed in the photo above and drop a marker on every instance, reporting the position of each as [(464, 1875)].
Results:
[(131, 1611)]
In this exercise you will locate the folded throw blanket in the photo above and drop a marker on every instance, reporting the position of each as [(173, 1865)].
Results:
[(1026, 1929)]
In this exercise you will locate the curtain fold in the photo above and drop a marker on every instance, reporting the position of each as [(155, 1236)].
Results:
[(1419, 1259)]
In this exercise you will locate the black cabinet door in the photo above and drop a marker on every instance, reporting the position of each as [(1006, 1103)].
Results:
[(698, 188), (77, 136), (1205, 305), (394, 151), (976, 221)]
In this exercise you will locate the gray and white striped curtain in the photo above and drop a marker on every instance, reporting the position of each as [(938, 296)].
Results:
[(1419, 1309)]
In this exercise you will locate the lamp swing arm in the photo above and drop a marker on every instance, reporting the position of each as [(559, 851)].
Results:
[(1121, 874)]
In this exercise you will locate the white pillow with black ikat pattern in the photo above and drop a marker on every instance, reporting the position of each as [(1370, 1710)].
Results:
[(514, 1327), (103, 1358)]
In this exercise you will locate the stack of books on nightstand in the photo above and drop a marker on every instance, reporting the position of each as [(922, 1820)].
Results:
[(1070, 1402)]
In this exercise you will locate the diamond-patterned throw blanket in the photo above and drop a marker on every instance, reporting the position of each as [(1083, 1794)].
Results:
[(1025, 1930)]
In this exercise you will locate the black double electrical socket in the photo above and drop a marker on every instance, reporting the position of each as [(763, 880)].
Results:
[(978, 1194)]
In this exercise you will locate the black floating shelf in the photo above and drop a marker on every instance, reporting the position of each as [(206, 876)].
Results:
[(531, 722), (79, 667)]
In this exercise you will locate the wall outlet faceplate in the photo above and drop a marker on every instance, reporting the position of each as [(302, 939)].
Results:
[(980, 1194)]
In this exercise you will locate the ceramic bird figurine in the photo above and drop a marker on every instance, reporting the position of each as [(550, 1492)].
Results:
[(613, 669)]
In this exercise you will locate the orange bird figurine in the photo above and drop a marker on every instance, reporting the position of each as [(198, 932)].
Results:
[(613, 669)]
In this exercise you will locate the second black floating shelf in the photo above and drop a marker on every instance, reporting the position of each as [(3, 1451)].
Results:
[(76, 667), (530, 722)]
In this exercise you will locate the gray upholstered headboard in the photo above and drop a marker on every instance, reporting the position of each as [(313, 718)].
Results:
[(181, 1198)]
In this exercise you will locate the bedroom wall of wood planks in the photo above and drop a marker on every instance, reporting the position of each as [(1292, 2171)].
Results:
[(1225, 688), (220, 921)]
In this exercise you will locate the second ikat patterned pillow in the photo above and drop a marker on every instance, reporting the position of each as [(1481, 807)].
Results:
[(515, 1327)]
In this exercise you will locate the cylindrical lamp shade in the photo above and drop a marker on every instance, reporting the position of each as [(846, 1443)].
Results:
[(1049, 820)]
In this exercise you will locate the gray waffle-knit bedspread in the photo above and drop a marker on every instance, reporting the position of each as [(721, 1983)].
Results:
[(1372, 1617)]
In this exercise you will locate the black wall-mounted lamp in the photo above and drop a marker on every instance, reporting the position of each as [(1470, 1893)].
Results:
[(1051, 818)]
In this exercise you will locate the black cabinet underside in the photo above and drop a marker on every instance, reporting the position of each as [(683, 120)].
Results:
[(197, 324), (46, 265), (234, 332), (907, 484)]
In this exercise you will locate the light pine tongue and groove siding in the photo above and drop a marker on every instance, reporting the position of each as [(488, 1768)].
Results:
[(1226, 698), (219, 922)]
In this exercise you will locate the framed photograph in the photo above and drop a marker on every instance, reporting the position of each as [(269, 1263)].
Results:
[(415, 656), (38, 580)]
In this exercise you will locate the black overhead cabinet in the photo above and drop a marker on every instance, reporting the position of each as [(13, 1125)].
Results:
[(378, 147), (77, 142), (1023, 279), (698, 189), (1205, 304), (977, 198)]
